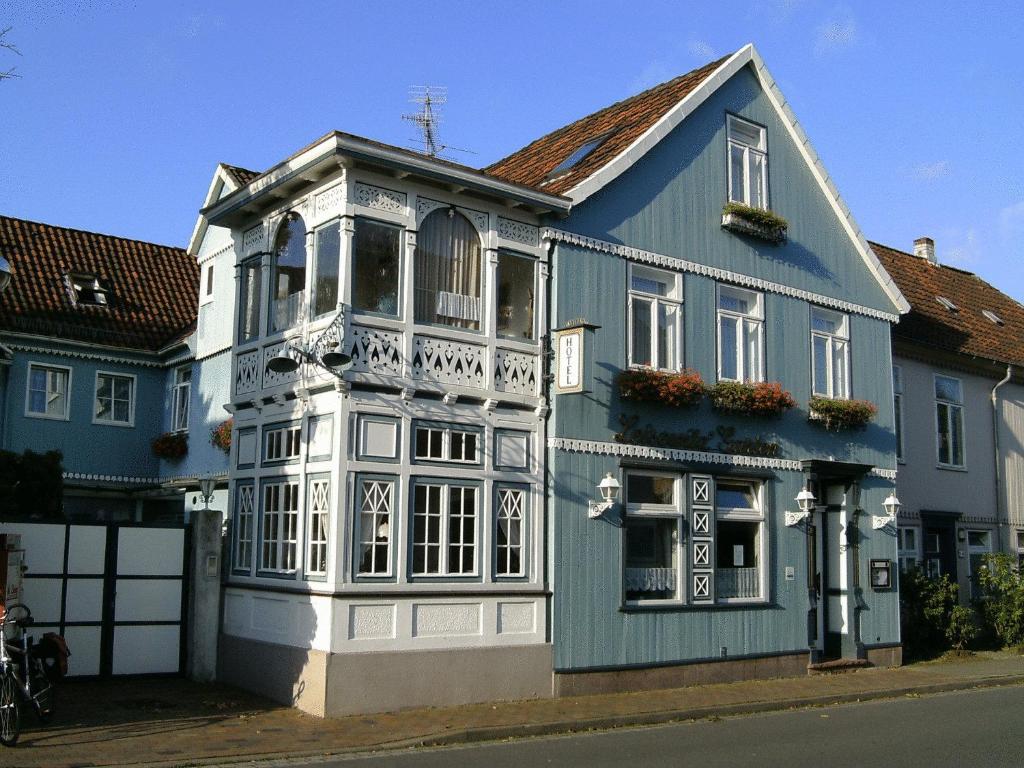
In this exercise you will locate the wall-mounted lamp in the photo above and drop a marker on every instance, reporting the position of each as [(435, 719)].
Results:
[(206, 488), (805, 501), (892, 508), (609, 488), (323, 353)]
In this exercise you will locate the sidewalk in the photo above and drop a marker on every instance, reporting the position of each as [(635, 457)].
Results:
[(171, 722)]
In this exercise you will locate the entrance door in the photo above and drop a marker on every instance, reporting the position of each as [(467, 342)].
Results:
[(938, 544), (830, 589)]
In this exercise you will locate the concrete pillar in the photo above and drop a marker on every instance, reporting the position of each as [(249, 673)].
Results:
[(204, 595)]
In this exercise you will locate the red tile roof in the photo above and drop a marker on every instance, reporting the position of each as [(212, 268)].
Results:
[(152, 289), (619, 125), (966, 330), (241, 176)]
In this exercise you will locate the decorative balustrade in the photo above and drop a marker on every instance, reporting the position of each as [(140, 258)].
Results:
[(443, 361), (247, 372), (374, 350), (515, 372), (738, 582)]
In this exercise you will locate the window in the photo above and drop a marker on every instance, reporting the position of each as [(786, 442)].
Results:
[(653, 561), (47, 394), (249, 301), (739, 541), (897, 398), (448, 271), (576, 157), (318, 501), (436, 443), (949, 414), (86, 290), (325, 272), (243, 528), (511, 517), (947, 304), (115, 399), (444, 529), (279, 526), (909, 551), (282, 443), (654, 317), (1020, 550), (375, 267), (288, 275), (740, 335), (180, 395), (376, 504), (748, 163), (979, 547), (516, 284), (209, 279), (830, 354), (992, 317)]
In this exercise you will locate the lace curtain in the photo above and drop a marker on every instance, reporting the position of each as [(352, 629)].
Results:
[(447, 274)]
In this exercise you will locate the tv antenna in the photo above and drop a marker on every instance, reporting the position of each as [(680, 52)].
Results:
[(428, 118)]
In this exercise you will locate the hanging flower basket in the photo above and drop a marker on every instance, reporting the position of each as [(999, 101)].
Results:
[(765, 398), (220, 436), (171, 446), (836, 415), (756, 222), (679, 390)]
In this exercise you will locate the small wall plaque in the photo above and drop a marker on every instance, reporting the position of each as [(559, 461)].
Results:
[(881, 575)]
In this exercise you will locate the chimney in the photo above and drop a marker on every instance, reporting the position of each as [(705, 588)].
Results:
[(924, 248)]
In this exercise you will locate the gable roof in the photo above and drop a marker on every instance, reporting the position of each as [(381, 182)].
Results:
[(241, 176), (151, 289), (966, 330)]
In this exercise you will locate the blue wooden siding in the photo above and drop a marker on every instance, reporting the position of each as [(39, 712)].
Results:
[(211, 381)]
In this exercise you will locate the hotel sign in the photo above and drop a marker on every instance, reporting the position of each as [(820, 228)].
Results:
[(574, 344)]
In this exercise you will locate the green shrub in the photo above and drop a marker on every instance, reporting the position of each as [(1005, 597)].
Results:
[(963, 627), (1002, 603), (927, 623)]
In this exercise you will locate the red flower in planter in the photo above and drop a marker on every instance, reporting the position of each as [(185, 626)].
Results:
[(765, 398), (170, 445), (835, 414), (220, 436), (679, 390)]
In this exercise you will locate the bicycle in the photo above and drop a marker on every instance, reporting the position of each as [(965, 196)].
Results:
[(23, 674)]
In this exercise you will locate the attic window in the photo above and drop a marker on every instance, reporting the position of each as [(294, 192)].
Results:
[(993, 317), (577, 156), (947, 304), (86, 289)]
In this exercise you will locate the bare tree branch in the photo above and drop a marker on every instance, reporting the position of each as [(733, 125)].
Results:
[(8, 46)]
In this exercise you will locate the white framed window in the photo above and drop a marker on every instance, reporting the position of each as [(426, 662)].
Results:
[(897, 401), (376, 267), (444, 528), (516, 279), (318, 512), (376, 505), (86, 290), (448, 444), (279, 527), (181, 393), (448, 271), (740, 546), (830, 353), (748, 163), (47, 394), (653, 562), (243, 528), (511, 504), (250, 294), (282, 443), (949, 418), (325, 269), (288, 274), (908, 548), (655, 318), (115, 399), (740, 335), (208, 281)]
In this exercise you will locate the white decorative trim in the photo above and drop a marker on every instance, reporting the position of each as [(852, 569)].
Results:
[(517, 231), (86, 355), (670, 454), (725, 275), (216, 254), (425, 206), (253, 239), (888, 474), (671, 119), (329, 200), (111, 478), (795, 518), (379, 198)]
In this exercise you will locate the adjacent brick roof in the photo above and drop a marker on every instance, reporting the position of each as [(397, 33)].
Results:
[(621, 124), (151, 289), (241, 176), (967, 330)]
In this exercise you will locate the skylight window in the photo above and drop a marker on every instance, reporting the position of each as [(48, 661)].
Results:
[(947, 304), (576, 157), (86, 289), (993, 317)]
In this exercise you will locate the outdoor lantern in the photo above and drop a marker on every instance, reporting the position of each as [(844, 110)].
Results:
[(206, 487), (336, 359), (282, 362), (5, 273), (609, 488), (804, 500), (892, 508)]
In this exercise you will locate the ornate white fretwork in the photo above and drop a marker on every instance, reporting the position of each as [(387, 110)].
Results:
[(795, 518), (112, 478), (426, 206), (888, 474), (682, 265), (449, 362), (701, 490), (247, 372), (272, 379), (702, 553), (701, 585), (527, 234), (702, 522), (515, 372), (670, 454), (379, 198), (330, 200), (253, 239), (375, 351)]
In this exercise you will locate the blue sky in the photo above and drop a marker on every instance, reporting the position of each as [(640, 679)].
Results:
[(123, 109)]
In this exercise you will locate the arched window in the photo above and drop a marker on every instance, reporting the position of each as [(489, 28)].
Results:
[(447, 280), (288, 279)]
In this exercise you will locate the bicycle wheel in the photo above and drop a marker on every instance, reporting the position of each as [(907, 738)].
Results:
[(42, 691), (10, 716)]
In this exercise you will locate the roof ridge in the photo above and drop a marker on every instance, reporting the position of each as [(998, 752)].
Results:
[(92, 232), (962, 271)]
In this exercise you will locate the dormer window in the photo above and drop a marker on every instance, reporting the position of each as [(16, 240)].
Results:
[(947, 304), (992, 317), (86, 289), (748, 163)]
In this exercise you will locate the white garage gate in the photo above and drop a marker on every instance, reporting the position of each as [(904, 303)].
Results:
[(116, 592)]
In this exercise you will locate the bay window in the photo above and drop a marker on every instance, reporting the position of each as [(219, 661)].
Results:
[(318, 509), (949, 414), (444, 528), (448, 272), (325, 269), (243, 534), (288, 274), (740, 335), (251, 289), (376, 508), (830, 354), (653, 536), (748, 163), (516, 290), (279, 526), (376, 260), (654, 315), (509, 541)]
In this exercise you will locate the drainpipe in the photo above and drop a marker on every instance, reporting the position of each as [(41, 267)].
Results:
[(1000, 524)]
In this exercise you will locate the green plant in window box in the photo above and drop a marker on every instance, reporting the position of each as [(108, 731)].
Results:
[(679, 390), (837, 415), (220, 436), (754, 221), (171, 446), (764, 398)]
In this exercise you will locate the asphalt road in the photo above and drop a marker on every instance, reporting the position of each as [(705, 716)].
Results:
[(980, 728)]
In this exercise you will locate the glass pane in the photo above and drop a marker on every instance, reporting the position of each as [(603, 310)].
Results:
[(289, 276), (729, 351), (821, 321), (734, 496), (942, 425), (736, 181), (448, 271), (650, 489), (375, 270), (756, 161), (105, 388), (738, 548), (978, 539), (249, 306), (734, 302), (666, 336), (819, 346), (515, 296), (642, 332), (897, 379), (947, 389), (898, 411), (745, 133), (648, 284), (325, 280), (122, 388), (910, 539), (651, 571), (752, 356), (839, 369), (957, 436)]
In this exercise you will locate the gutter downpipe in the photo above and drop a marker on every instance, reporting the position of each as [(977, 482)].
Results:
[(1001, 525)]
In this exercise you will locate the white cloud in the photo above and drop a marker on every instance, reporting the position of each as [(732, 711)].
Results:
[(654, 73), (964, 251), (1011, 221), (931, 171), (835, 35), (701, 49)]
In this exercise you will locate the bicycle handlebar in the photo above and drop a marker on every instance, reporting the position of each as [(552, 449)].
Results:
[(23, 622)]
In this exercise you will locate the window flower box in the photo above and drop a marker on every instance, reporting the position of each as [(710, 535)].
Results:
[(679, 390), (220, 436), (765, 398), (755, 222), (171, 446), (837, 415)]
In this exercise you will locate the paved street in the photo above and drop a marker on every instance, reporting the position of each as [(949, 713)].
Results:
[(967, 728)]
